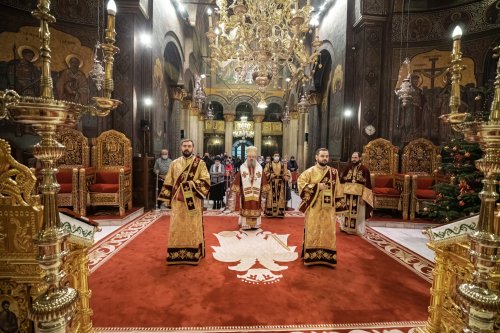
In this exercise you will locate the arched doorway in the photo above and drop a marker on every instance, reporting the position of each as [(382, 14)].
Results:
[(239, 148)]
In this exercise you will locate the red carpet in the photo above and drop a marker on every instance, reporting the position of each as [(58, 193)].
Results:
[(135, 288)]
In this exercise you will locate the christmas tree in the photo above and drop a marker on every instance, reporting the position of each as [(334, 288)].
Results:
[(458, 198)]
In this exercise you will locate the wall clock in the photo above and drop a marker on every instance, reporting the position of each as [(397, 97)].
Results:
[(370, 130)]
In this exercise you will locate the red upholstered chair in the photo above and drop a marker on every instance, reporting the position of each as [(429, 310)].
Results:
[(422, 191), (421, 159), (77, 155), (391, 190), (109, 183)]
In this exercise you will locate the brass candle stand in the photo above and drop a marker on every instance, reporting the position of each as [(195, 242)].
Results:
[(52, 310), (479, 299)]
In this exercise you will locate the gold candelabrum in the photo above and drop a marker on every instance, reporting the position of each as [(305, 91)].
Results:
[(52, 310), (480, 299)]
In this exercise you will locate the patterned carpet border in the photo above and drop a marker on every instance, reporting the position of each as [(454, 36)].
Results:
[(215, 212), (393, 327), (108, 247), (418, 264)]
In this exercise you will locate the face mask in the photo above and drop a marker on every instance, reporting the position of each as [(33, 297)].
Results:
[(164, 157), (276, 159), (292, 160), (217, 163)]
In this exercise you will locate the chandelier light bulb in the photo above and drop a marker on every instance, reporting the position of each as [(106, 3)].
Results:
[(209, 11), (262, 104), (111, 7), (148, 101), (348, 113)]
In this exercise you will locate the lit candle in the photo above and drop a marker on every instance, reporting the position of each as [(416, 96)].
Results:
[(111, 15), (457, 35), (456, 71), (209, 12)]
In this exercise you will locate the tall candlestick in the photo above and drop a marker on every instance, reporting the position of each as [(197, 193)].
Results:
[(456, 71)]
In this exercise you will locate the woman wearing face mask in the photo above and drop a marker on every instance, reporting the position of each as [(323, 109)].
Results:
[(217, 172)]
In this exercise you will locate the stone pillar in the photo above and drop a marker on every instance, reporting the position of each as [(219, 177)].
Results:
[(257, 139), (228, 138), (192, 125), (301, 158), (313, 136), (292, 139), (200, 133)]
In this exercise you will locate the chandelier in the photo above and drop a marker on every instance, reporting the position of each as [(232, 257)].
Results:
[(406, 91), (210, 112), (303, 105), (199, 96), (260, 39), (97, 71), (243, 128), (285, 118)]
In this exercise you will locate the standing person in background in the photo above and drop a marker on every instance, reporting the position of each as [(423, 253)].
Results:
[(161, 166), (293, 166), (277, 176), (208, 161), (322, 199), (359, 196), (186, 185), (217, 172)]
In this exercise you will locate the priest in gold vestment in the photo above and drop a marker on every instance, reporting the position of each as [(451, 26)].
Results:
[(359, 196), (248, 190), (186, 185), (277, 175), (322, 198)]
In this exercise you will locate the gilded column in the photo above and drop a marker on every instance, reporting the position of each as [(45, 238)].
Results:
[(257, 140), (200, 133), (228, 138)]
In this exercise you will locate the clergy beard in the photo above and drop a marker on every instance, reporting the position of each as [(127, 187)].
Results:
[(355, 163), (251, 164), (322, 163), (186, 153)]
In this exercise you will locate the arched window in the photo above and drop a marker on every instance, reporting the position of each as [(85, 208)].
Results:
[(273, 112), (218, 110), (244, 109)]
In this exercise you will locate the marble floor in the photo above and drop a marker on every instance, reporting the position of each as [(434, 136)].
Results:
[(406, 234)]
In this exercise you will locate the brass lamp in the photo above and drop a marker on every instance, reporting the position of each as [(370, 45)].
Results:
[(480, 299), (52, 310)]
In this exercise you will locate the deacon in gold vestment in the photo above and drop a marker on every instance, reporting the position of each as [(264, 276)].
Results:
[(277, 176), (322, 198), (359, 196), (186, 185)]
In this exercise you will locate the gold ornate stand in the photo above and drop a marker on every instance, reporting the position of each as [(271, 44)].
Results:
[(477, 294), (55, 306)]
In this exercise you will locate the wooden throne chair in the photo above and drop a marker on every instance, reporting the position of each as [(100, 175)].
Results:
[(421, 160), (77, 156), (391, 189), (110, 182)]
